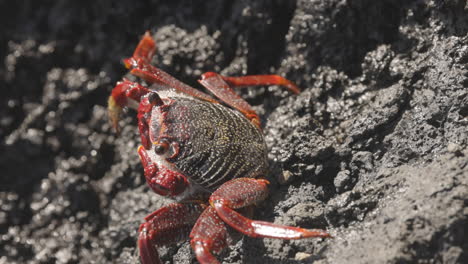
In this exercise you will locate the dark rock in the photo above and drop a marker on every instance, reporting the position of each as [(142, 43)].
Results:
[(373, 149)]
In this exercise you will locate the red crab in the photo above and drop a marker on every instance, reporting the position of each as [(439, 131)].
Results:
[(195, 149)]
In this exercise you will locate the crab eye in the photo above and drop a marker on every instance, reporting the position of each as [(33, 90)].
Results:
[(161, 147)]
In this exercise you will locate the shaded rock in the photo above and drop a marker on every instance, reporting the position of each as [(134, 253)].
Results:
[(373, 149)]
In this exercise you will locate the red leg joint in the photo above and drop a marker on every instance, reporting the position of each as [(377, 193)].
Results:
[(170, 224), (243, 192)]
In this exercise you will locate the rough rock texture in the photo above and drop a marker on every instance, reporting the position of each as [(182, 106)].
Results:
[(374, 149)]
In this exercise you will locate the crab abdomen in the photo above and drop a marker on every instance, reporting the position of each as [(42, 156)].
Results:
[(215, 143)]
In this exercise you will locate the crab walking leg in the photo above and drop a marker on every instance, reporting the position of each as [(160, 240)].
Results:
[(242, 192), (145, 49), (168, 225), (253, 80), (222, 87), (209, 236), (139, 65)]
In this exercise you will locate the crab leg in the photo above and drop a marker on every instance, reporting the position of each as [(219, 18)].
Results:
[(145, 49), (209, 235), (242, 192), (222, 87), (253, 80), (168, 225), (139, 65)]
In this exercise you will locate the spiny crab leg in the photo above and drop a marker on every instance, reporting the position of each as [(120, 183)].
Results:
[(222, 87), (168, 225), (216, 84), (140, 66), (209, 235), (253, 80), (144, 51), (242, 192)]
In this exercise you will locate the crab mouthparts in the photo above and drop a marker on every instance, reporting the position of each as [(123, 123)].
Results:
[(161, 190)]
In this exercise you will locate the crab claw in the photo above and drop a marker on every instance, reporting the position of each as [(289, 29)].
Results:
[(124, 94), (114, 110)]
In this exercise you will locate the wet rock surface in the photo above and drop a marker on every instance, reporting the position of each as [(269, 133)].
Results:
[(374, 149)]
